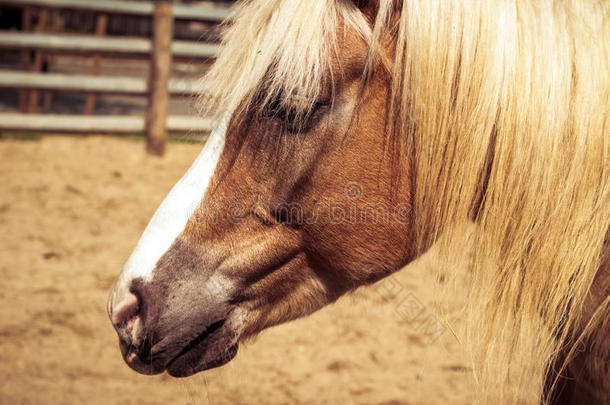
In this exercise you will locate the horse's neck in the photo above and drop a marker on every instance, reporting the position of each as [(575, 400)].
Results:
[(588, 375), (600, 289)]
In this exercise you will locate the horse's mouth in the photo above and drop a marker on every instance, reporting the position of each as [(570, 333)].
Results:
[(214, 347)]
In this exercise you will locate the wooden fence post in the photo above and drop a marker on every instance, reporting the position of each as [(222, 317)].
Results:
[(161, 64), (100, 30), (56, 27), (38, 59), (26, 22)]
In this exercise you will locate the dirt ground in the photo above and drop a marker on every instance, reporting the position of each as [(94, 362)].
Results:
[(71, 211)]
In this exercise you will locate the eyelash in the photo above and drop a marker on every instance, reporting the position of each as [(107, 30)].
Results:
[(289, 117)]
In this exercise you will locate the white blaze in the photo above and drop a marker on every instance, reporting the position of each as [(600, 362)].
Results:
[(172, 215)]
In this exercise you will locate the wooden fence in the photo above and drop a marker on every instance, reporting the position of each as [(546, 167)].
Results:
[(160, 51)]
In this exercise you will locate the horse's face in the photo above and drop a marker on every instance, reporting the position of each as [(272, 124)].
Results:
[(270, 224)]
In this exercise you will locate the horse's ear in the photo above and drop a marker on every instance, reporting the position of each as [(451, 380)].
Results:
[(365, 3), (368, 7)]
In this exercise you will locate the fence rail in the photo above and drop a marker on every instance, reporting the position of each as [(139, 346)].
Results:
[(161, 49), (89, 43), (97, 124), (126, 7), (87, 83)]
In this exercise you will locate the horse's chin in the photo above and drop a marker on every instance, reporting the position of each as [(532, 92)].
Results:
[(215, 347), (193, 362)]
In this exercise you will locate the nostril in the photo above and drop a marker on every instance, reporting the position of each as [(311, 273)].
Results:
[(126, 311)]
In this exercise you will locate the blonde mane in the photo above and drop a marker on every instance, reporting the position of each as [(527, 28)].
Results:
[(507, 107)]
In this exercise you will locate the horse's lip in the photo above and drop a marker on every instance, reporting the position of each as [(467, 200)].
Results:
[(197, 341), (214, 347)]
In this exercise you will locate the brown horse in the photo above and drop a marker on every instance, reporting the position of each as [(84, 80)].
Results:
[(361, 131)]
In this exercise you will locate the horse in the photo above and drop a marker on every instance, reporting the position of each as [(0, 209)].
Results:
[(438, 114)]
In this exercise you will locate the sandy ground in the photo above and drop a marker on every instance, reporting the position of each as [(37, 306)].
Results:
[(72, 209)]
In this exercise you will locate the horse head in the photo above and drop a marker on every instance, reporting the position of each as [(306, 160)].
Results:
[(286, 209)]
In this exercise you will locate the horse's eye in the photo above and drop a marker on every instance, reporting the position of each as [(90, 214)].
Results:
[(293, 120)]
